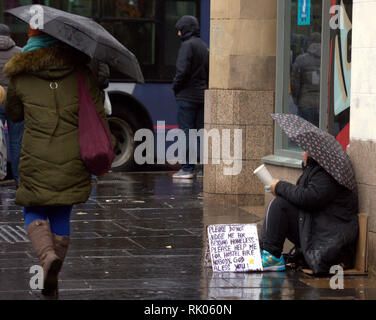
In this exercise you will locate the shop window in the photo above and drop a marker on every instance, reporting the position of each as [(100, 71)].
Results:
[(340, 74), (305, 63), (313, 67), (299, 66)]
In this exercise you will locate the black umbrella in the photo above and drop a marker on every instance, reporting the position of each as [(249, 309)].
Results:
[(321, 146), (87, 36)]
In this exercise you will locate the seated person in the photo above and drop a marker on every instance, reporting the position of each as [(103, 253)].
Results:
[(317, 214)]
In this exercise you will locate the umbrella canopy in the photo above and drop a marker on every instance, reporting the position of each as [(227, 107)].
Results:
[(321, 146), (87, 36)]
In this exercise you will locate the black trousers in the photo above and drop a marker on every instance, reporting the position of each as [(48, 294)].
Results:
[(281, 222)]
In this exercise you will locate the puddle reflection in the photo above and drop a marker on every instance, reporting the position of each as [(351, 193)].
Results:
[(247, 286)]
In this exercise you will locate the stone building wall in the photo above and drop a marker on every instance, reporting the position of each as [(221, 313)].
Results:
[(363, 114), (241, 93)]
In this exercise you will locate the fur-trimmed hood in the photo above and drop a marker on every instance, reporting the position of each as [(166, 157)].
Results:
[(47, 63)]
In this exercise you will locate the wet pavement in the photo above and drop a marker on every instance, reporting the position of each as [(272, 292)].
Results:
[(141, 236)]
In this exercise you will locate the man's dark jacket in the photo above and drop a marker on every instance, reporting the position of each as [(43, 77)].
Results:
[(192, 66), (328, 221)]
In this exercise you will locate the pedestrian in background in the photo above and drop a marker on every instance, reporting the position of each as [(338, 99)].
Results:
[(43, 91), (305, 81), (8, 49), (190, 82)]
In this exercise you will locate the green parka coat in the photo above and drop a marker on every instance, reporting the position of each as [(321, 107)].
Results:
[(43, 91)]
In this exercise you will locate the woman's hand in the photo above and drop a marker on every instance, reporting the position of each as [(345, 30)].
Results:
[(273, 185)]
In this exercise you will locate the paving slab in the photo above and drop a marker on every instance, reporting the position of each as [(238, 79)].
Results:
[(142, 236)]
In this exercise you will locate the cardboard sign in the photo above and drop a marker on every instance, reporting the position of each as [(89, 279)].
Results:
[(234, 247)]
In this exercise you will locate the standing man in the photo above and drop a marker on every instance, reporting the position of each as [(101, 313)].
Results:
[(15, 130), (190, 82)]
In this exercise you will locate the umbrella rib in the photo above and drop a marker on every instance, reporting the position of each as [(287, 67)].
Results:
[(118, 51)]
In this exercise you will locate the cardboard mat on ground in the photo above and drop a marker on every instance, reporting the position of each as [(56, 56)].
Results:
[(233, 248)]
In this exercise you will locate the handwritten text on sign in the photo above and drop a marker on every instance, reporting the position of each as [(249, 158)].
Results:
[(234, 247)]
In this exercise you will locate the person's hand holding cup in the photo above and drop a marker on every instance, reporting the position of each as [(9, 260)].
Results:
[(265, 177), (273, 186)]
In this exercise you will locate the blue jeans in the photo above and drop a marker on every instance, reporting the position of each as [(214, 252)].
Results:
[(15, 134), (190, 116), (58, 217)]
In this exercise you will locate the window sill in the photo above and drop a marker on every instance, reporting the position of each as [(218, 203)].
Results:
[(282, 161)]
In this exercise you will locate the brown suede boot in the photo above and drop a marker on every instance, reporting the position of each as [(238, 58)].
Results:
[(41, 238), (61, 244)]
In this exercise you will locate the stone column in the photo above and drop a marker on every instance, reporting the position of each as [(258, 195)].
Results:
[(363, 114), (241, 93)]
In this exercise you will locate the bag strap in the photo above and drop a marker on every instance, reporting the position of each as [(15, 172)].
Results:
[(83, 90), (81, 80)]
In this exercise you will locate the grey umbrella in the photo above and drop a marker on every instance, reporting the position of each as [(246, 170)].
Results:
[(87, 36)]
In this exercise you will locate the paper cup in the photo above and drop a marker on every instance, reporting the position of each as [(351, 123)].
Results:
[(263, 174)]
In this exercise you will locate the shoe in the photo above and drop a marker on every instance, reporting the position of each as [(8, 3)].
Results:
[(271, 263), (40, 237), (183, 175)]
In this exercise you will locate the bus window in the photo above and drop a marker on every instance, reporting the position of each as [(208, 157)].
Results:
[(138, 37), (174, 10), (87, 8), (130, 9), (134, 24)]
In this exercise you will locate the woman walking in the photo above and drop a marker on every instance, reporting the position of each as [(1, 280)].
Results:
[(43, 91)]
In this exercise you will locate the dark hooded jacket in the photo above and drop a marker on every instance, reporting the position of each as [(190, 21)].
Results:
[(305, 78), (7, 50), (328, 221), (43, 91), (192, 66)]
